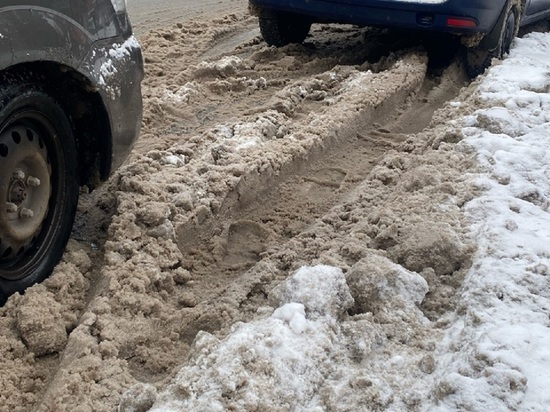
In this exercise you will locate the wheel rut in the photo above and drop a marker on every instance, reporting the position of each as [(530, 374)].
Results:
[(295, 201)]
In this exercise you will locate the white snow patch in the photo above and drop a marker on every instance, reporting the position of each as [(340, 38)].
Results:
[(282, 353), (184, 94), (108, 68), (496, 355)]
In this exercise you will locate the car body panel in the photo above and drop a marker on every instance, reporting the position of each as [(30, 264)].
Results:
[(430, 15), (394, 13), (41, 35), (537, 6), (536, 10)]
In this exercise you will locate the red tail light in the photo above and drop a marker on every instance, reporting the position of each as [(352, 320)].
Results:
[(460, 22)]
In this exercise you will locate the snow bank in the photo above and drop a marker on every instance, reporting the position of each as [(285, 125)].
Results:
[(298, 358), (496, 354)]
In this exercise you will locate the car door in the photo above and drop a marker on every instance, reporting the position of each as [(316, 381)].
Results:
[(537, 6)]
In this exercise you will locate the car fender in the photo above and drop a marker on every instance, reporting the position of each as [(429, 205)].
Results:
[(116, 70), (30, 34)]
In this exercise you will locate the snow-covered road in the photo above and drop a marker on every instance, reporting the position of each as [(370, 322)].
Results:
[(494, 352), (297, 230)]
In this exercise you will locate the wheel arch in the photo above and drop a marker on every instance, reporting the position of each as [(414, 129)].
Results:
[(85, 110)]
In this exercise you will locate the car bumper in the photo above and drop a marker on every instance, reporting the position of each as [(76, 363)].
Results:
[(116, 66), (459, 16)]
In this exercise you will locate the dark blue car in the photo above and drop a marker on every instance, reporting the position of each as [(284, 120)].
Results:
[(486, 27)]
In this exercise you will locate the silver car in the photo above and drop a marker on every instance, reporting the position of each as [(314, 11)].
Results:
[(70, 111)]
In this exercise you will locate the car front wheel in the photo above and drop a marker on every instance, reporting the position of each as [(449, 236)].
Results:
[(38, 183)]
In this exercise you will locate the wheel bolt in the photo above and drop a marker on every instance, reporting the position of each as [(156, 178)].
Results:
[(11, 207), (26, 213), (19, 175), (33, 181)]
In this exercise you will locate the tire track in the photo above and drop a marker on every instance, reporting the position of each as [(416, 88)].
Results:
[(241, 153)]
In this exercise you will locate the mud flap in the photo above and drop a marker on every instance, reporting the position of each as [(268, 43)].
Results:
[(491, 41), (478, 58)]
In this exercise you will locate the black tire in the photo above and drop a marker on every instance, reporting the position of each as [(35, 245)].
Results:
[(280, 28), (479, 58), (38, 183)]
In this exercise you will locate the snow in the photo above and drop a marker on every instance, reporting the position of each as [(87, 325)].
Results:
[(284, 352), (184, 94), (507, 293), (108, 68), (495, 353), (116, 52)]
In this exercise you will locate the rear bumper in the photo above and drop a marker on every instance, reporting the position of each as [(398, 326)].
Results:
[(432, 15)]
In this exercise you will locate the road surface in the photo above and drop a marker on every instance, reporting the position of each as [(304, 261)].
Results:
[(147, 14)]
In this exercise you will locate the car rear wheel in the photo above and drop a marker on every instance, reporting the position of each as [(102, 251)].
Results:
[(281, 28), (38, 183), (479, 58)]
